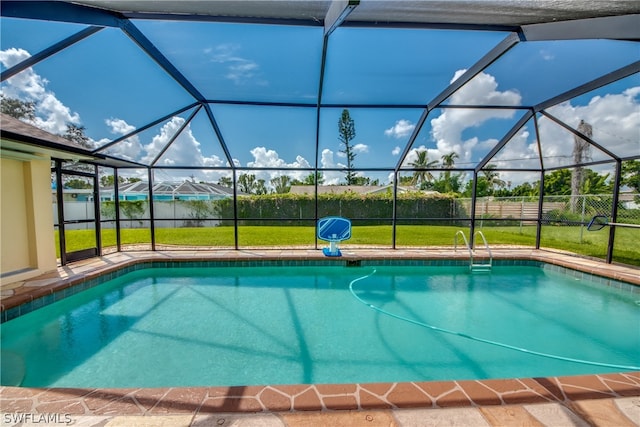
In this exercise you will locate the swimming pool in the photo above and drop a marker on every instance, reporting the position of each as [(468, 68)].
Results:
[(288, 324)]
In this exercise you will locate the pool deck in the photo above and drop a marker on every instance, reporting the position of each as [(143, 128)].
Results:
[(590, 400)]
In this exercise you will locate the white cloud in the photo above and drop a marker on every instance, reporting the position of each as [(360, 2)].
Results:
[(266, 158), (360, 148), (51, 114), (119, 126), (447, 128), (357, 149), (396, 151), (239, 70), (483, 90), (185, 149), (327, 161), (519, 153), (401, 129), (615, 119), (130, 148), (547, 55)]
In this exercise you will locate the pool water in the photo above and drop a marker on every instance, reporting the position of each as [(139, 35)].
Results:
[(285, 325)]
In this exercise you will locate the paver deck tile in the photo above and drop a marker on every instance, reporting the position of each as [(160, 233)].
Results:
[(509, 416), (342, 419), (602, 413), (555, 414)]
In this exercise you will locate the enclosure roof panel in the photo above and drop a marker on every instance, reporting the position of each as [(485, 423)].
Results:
[(475, 12), (218, 86)]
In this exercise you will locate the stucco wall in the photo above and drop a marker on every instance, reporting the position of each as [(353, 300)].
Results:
[(26, 220)]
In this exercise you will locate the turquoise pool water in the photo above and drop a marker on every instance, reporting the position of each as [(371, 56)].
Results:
[(282, 325)]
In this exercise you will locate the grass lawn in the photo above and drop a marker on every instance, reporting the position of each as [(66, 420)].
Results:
[(565, 238), (572, 239)]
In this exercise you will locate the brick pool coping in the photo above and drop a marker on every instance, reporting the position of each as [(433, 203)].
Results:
[(577, 394), (566, 391)]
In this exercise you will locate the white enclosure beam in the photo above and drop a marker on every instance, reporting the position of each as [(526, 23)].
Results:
[(625, 27), (337, 13)]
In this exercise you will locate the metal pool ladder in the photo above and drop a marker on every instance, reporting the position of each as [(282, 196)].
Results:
[(474, 265)]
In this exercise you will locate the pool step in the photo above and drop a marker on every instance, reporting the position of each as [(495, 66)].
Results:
[(480, 267)]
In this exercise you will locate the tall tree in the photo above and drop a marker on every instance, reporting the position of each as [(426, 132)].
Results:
[(448, 160), (77, 134), (77, 183), (594, 183), (421, 177), (581, 153), (225, 181), (346, 134), (405, 180), (261, 187), (631, 174), (365, 180), (557, 183), (109, 180), (247, 183), (483, 188), (281, 184), (312, 178), (448, 183), (16, 108)]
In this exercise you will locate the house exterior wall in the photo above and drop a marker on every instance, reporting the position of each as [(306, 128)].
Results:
[(26, 221)]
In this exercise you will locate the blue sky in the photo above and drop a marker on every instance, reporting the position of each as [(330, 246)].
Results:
[(108, 85)]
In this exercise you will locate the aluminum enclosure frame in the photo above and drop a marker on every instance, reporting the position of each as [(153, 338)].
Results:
[(620, 26)]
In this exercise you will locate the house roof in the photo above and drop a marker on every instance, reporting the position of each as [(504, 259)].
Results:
[(25, 141), (341, 189), (176, 188)]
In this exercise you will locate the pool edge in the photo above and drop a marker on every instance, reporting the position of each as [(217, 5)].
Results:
[(43, 290)]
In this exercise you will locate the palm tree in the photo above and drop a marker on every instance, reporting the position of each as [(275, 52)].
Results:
[(422, 162), (493, 177), (447, 161)]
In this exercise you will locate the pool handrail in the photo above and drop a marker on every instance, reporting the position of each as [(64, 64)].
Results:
[(472, 265), (486, 246)]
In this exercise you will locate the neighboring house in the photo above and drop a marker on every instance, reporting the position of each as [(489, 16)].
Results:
[(357, 189), (168, 191), (76, 195)]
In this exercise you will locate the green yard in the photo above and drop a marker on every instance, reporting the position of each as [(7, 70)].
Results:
[(558, 237)]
